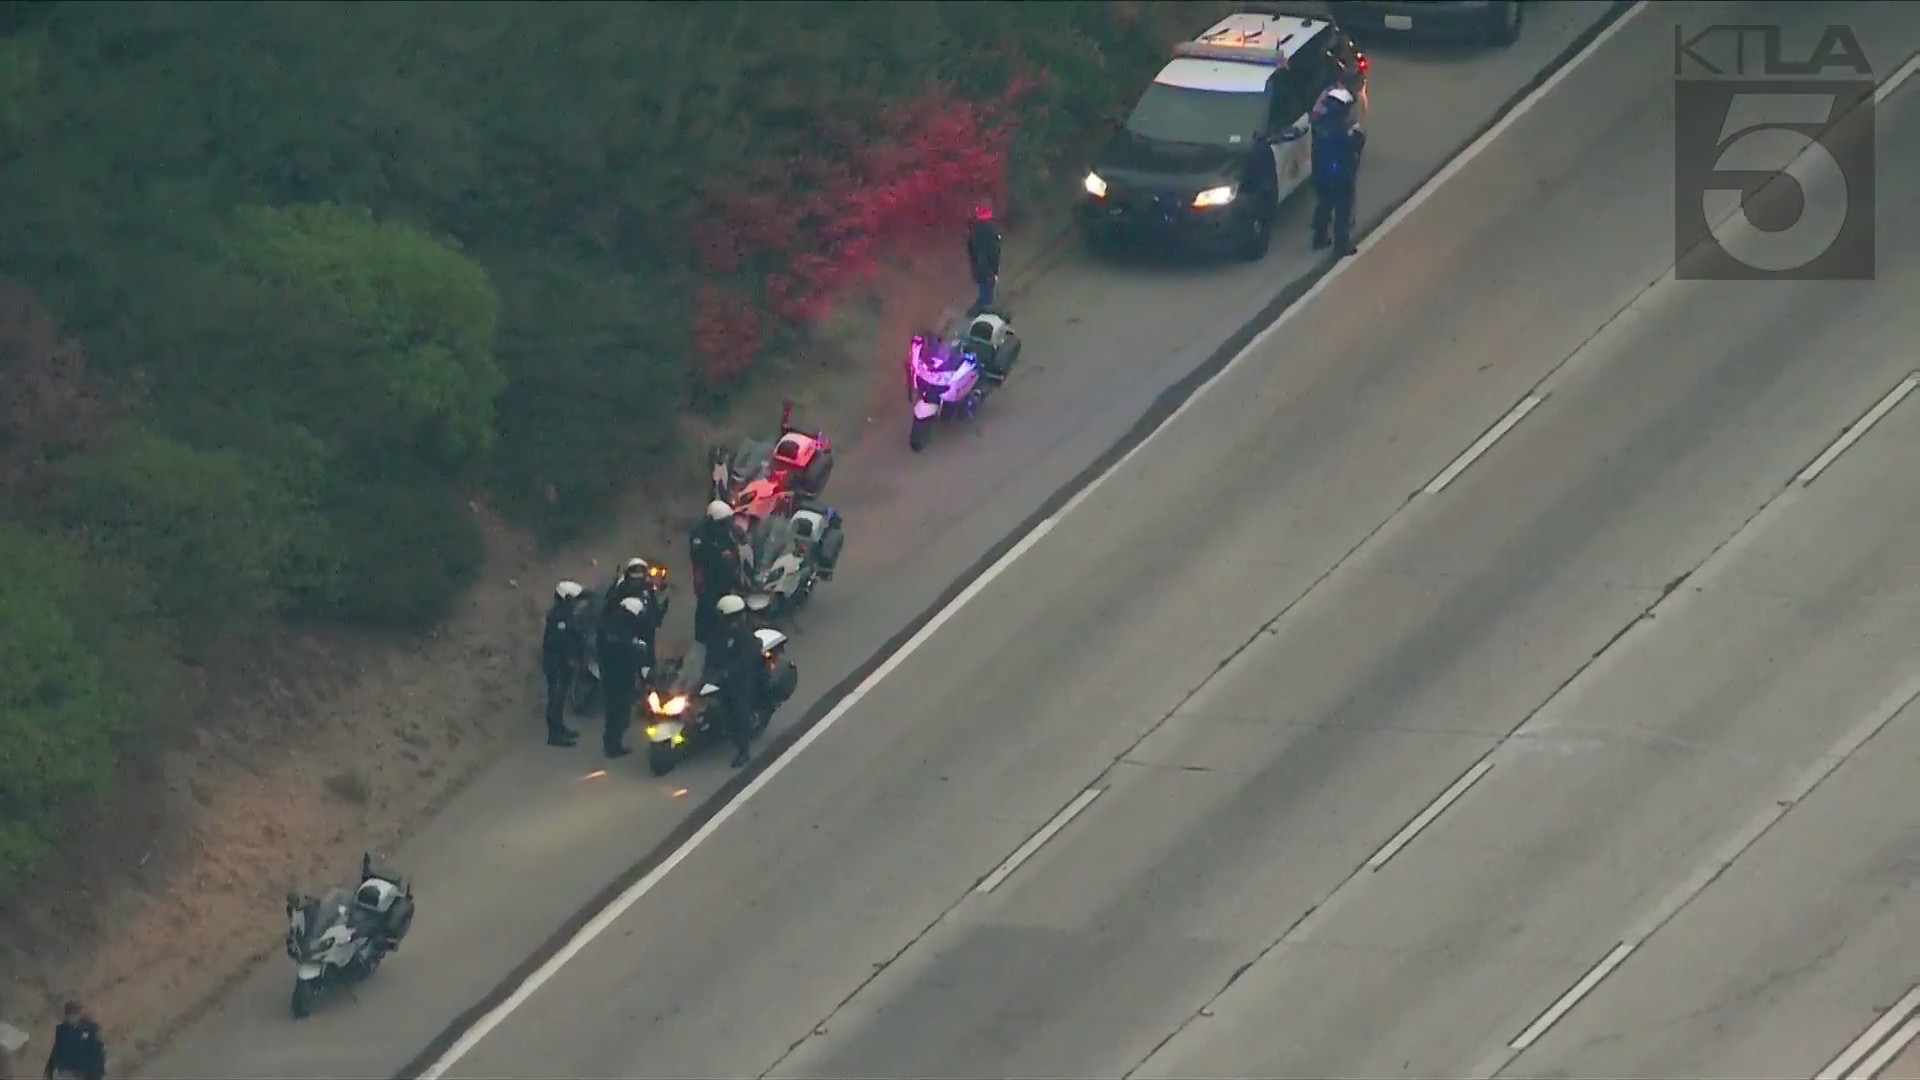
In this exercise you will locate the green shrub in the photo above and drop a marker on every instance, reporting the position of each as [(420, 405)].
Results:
[(406, 552), (208, 529), (385, 335), (57, 723)]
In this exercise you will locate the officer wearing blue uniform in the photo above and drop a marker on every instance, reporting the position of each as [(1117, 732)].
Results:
[(1337, 145)]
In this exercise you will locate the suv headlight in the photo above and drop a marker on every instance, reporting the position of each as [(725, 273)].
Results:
[(1219, 196), (1096, 187)]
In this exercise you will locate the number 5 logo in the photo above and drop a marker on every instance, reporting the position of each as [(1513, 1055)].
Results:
[(1772, 182)]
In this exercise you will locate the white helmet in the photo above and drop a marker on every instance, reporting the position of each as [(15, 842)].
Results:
[(730, 604), (568, 590), (632, 606), (634, 568), (1341, 94), (718, 510)]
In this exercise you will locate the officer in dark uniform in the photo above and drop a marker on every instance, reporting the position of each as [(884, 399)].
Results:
[(714, 550), (983, 255), (563, 650), (622, 653), (637, 581), (1337, 145), (731, 659)]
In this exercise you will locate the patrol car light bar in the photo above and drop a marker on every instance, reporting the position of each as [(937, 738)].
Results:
[(1200, 50)]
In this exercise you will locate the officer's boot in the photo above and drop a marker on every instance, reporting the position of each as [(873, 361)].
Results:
[(558, 733)]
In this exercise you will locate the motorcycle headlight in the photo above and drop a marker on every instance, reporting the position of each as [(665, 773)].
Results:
[(1096, 187), (672, 706), (1218, 196)]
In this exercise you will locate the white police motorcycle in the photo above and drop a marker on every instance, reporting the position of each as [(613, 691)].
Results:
[(339, 939), (951, 371)]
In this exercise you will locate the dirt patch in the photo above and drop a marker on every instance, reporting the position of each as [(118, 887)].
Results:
[(340, 744)]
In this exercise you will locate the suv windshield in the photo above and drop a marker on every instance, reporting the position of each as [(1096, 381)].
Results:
[(1182, 114)]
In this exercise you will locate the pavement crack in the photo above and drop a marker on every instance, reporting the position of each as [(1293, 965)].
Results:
[(878, 968)]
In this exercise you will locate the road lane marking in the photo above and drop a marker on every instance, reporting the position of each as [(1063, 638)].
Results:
[(1472, 454), (1859, 429), (1047, 832), (1884, 1056), (600, 923), (1842, 1067), (1434, 810), (1572, 997), (1769, 815)]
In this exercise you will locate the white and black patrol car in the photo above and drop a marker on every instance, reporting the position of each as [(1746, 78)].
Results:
[(1198, 160)]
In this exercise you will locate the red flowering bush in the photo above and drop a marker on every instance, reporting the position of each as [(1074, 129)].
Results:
[(800, 231)]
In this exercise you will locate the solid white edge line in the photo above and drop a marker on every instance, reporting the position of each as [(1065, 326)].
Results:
[(1888, 1050), (1426, 817), (1572, 997), (625, 901), (1047, 832), (1472, 453), (1859, 429), (1893, 82), (1870, 1038)]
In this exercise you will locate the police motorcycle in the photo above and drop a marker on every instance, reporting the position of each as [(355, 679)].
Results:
[(339, 939), (794, 461), (685, 712), (950, 371), (786, 556)]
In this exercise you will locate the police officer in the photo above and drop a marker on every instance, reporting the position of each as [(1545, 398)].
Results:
[(983, 255), (714, 550), (1337, 144), (636, 582), (67, 1057), (562, 651), (622, 654), (732, 655)]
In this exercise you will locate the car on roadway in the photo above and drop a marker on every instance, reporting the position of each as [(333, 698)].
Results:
[(1197, 162), (1490, 22)]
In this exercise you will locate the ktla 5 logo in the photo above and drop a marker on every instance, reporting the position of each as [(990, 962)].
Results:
[(1773, 157)]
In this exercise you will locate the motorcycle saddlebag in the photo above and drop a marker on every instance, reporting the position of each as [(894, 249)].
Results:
[(828, 551), (782, 681)]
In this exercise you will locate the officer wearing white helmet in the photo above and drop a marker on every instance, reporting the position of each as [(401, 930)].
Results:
[(623, 649), (714, 550), (636, 581), (1337, 143), (731, 656), (563, 649)]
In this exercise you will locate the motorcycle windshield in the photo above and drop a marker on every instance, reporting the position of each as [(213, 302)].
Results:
[(330, 911), (749, 461), (948, 357), (772, 538)]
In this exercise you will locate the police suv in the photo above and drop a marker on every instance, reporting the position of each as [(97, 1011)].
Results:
[(1198, 160)]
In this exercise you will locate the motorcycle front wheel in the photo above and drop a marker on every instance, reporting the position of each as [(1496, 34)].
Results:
[(660, 759), (919, 434), (302, 1004)]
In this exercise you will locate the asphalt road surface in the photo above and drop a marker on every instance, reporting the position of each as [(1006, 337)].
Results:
[(1294, 750), (535, 839)]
